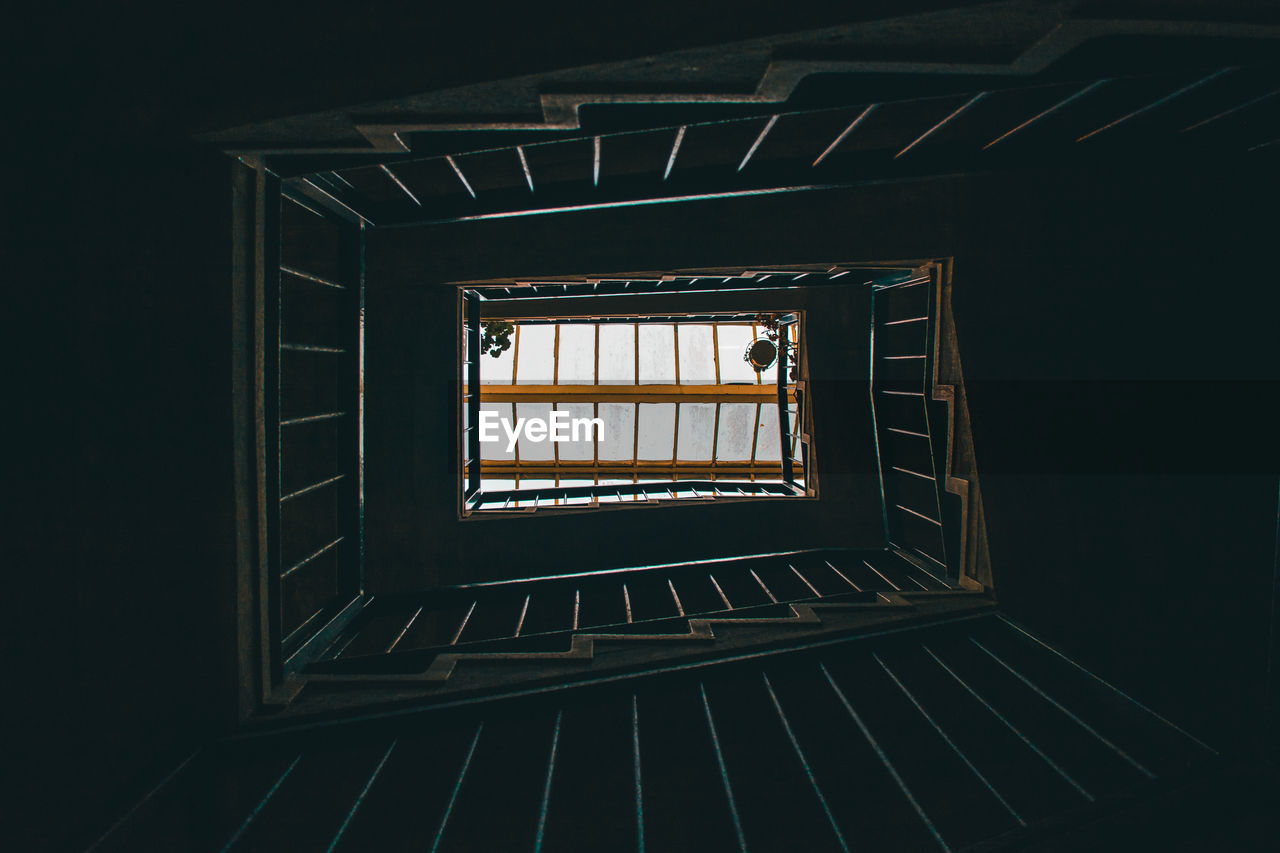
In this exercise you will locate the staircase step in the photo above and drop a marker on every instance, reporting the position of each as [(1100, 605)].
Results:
[(584, 646), (888, 742), (751, 737), (1164, 748), (1095, 765), (683, 795), (595, 764), (961, 805), (406, 801)]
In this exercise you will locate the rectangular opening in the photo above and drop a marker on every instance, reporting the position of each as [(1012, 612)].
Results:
[(609, 411)]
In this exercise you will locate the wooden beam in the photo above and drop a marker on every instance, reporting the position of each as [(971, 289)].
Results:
[(574, 469), (631, 393)]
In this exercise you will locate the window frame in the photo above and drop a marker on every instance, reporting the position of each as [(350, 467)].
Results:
[(794, 438)]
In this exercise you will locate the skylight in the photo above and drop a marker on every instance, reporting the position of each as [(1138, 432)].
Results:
[(648, 409)]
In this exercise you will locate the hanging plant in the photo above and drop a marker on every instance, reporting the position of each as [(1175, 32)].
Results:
[(497, 337), (763, 352)]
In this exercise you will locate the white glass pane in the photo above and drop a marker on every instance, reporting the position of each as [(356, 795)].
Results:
[(767, 447), (733, 345), (577, 354), (530, 448), (496, 449), (657, 430), (618, 441), (657, 354), (697, 357), (697, 431), (497, 371), (498, 485), (583, 445), (737, 426), (617, 354), (535, 362)]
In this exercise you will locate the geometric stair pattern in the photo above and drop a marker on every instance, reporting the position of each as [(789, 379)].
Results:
[(561, 619), (969, 734), (1221, 113)]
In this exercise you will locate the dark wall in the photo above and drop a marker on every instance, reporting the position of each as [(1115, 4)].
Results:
[(121, 587), (1133, 522), (120, 481), (1119, 351), (208, 68), (414, 539), (1116, 332)]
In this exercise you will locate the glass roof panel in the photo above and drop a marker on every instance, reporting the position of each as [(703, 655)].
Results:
[(733, 345), (498, 371), (582, 446), (697, 355), (577, 360), (737, 427), (697, 432), (663, 423), (657, 429), (617, 354), (657, 354), (536, 450), (768, 446), (497, 449), (536, 359), (619, 431)]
